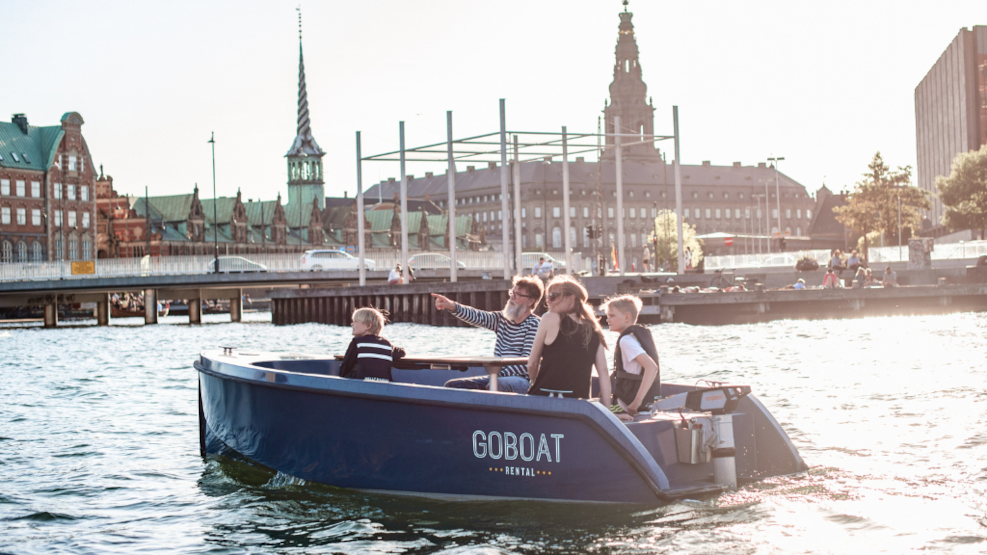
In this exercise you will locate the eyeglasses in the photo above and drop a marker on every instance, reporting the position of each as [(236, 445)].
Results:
[(555, 294), (514, 294)]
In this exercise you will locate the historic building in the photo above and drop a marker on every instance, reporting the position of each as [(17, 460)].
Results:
[(951, 110), (47, 192), (734, 199)]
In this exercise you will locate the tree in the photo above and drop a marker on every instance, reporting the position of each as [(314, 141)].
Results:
[(964, 192), (666, 248), (873, 204)]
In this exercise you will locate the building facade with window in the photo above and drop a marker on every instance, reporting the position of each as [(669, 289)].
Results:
[(951, 111), (47, 192), (733, 198)]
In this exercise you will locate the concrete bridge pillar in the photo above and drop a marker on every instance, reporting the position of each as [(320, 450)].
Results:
[(150, 306), (103, 310), (195, 311), (51, 315), (236, 306)]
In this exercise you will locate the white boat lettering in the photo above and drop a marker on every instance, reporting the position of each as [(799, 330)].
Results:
[(510, 446)]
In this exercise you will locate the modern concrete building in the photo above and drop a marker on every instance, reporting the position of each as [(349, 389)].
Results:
[(951, 110)]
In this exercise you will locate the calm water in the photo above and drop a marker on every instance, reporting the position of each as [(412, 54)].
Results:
[(99, 449)]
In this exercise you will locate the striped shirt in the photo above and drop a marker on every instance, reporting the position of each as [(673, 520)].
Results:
[(513, 340)]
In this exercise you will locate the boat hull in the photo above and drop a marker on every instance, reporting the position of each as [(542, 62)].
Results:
[(423, 440)]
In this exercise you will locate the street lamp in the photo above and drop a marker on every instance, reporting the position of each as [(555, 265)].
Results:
[(777, 189), (215, 222)]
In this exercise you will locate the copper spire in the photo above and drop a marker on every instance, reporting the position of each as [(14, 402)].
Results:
[(304, 143)]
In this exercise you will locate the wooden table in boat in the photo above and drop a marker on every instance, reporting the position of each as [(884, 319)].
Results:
[(426, 362)]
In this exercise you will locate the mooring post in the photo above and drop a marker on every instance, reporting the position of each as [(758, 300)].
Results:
[(195, 310), (103, 310), (150, 306), (236, 306), (51, 315)]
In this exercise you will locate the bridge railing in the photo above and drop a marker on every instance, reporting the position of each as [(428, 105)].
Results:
[(199, 264)]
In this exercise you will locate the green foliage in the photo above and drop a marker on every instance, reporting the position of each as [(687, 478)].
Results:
[(666, 227), (873, 204), (964, 192)]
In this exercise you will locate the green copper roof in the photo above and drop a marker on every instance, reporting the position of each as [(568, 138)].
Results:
[(40, 145)]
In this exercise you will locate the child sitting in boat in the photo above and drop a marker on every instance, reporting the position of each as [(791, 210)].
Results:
[(637, 379), (369, 355)]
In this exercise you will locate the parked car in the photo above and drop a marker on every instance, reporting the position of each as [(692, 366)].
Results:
[(432, 260), (333, 259), (528, 259), (235, 265)]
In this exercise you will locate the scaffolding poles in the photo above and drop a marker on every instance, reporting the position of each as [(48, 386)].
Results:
[(359, 211), (619, 168), (678, 191), (565, 201), (451, 173), (405, 273), (503, 190), (517, 211)]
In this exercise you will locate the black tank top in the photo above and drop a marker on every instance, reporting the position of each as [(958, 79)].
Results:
[(567, 364)]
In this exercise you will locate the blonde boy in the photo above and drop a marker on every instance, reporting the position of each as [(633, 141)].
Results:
[(369, 355), (636, 377)]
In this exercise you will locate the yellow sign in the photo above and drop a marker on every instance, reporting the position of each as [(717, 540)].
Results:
[(87, 267)]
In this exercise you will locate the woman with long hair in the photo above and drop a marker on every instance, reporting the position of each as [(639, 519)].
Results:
[(569, 343)]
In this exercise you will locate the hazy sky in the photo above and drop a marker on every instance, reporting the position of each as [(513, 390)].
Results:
[(823, 84)]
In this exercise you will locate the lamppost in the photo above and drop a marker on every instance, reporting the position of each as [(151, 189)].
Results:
[(760, 245), (215, 223), (899, 226), (777, 189)]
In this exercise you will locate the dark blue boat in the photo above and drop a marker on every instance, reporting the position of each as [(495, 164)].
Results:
[(292, 413)]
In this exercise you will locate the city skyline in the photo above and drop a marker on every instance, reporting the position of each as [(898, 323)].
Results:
[(152, 83)]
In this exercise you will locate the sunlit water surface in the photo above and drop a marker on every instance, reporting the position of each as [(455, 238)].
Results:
[(99, 448)]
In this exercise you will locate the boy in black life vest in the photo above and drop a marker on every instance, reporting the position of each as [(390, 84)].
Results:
[(636, 378), (369, 355)]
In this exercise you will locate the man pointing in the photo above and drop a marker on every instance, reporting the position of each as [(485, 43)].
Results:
[(515, 327)]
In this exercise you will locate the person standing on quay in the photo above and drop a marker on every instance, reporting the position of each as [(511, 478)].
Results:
[(515, 326)]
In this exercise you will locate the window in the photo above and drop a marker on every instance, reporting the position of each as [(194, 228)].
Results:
[(556, 212), (71, 218), (540, 240), (695, 195), (36, 216), (788, 213), (58, 218), (37, 253), (736, 214), (741, 196), (500, 214), (647, 194), (524, 212), (524, 241), (808, 214), (5, 187), (84, 192), (71, 192), (664, 194), (585, 237), (798, 213), (73, 248), (633, 212), (5, 215), (707, 213), (7, 255), (633, 239), (572, 236), (726, 195), (82, 163), (492, 214), (58, 249), (717, 213), (21, 216), (798, 231), (87, 247), (484, 216), (556, 238), (630, 194), (36, 189), (21, 251), (538, 211), (726, 213), (774, 213), (710, 195), (71, 163), (747, 213), (20, 189), (610, 211), (58, 190), (585, 211), (759, 213), (572, 211)]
